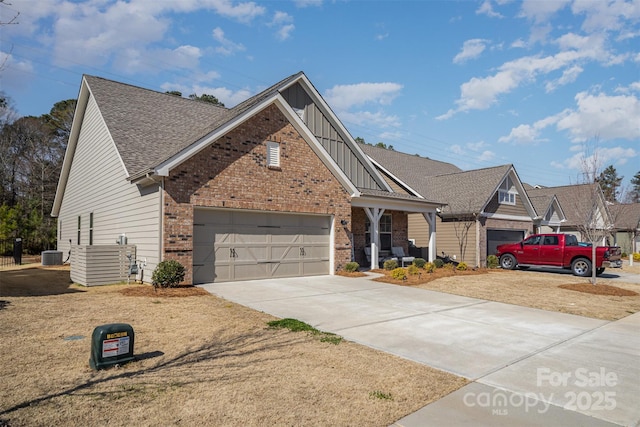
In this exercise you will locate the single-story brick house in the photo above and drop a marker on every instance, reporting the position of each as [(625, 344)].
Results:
[(484, 207), (273, 187)]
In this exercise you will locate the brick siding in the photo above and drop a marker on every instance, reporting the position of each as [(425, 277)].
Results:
[(232, 173)]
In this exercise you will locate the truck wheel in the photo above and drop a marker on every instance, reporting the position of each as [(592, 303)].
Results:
[(581, 267), (599, 271), (508, 262)]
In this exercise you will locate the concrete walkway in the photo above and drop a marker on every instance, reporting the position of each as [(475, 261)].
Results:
[(529, 366)]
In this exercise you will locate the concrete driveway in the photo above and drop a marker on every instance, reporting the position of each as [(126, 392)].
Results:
[(529, 366)]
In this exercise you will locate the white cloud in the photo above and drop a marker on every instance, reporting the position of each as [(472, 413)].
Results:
[(603, 116), (227, 96), (530, 134), (486, 8), (473, 149), (613, 155), (284, 24), (348, 102), (343, 97), (607, 16), (15, 70), (307, 3), (480, 93), (518, 44), (227, 47), (568, 76), (540, 11), (471, 49)]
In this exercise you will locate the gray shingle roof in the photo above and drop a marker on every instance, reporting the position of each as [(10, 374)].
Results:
[(576, 201), (541, 202), (149, 127), (626, 216), (463, 191), (468, 191)]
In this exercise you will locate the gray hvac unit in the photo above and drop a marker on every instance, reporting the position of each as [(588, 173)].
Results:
[(52, 258)]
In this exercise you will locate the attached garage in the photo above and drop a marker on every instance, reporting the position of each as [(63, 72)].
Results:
[(500, 237), (230, 245)]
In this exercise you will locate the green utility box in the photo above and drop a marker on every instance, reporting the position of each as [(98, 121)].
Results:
[(111, 344)]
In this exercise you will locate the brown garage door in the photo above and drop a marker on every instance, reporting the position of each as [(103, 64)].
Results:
[(244, 245)]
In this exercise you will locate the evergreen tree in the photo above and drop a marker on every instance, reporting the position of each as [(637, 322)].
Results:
[(634, 192), (609, 182)]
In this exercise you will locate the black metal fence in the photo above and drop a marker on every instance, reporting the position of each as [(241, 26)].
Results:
[(10, 252), (13, 251)]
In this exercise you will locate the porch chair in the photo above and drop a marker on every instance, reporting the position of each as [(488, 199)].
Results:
[(381, 258), (398, 252)]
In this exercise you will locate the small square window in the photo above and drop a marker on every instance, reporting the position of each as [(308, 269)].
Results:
[(273, 154), (506, 197)]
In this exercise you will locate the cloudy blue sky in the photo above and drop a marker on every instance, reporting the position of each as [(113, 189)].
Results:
[(540, 84)]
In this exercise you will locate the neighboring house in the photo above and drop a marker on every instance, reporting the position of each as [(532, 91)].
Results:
[(273, 187), (582, 205), (626, 219), (484, 207), (549, 212)]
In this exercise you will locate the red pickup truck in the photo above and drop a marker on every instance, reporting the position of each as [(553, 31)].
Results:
[(558, 251)]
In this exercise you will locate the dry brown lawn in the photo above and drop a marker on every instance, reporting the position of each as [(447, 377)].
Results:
[(201, 360), (609, 299)]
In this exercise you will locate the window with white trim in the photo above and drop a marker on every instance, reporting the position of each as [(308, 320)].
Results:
[(385, 232), (273, 154), (507, 192)]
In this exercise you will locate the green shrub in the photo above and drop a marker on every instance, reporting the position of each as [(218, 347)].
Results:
[(351, 267), (430, 267), (449, 266), (492, 261), (462, 266), (624, 255), (438, 263), (419, 262), (399, 273), (413, 270), (390, 264), (168, 274)]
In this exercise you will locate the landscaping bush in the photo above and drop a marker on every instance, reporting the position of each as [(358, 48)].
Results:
[(624, 255), (430, 267), (390, 264), (351, 267), (399, 273), (168, 274), (438, 263), (449, 266), (419, 262), (413, 270), (492, 261), (636, 256), (461, 266)]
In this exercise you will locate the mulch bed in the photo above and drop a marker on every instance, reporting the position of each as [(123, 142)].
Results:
[(599, 289), (150, 291), (424, 277)]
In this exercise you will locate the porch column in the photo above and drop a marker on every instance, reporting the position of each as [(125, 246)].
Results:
[(374, 215), (431, 220)]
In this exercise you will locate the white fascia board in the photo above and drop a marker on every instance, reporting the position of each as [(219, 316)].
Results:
[(163, 168), (404, 184), (507, 217), (78, 115), (364, 201), (277, 99), (319, 100)]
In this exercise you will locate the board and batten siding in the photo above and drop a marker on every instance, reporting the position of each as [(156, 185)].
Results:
[(98, 184), (496, 207)]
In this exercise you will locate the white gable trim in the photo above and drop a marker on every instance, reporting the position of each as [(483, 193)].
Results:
[(395, 178), (165, 167), (521, 192)]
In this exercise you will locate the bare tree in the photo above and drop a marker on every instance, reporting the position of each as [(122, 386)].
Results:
[(461, 226), (594, 222)]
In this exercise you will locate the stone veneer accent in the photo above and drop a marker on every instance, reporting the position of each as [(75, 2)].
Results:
[(232, 173)]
